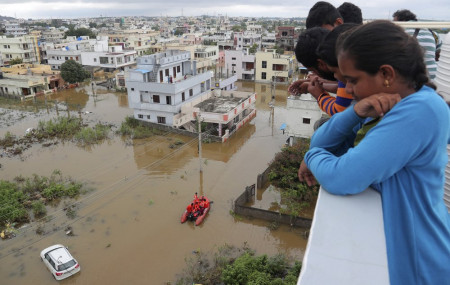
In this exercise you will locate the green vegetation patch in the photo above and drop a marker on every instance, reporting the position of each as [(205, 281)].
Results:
[(238, 265), (295, 195), (61, 127), (87, 136), (134, 129), (29, 195)]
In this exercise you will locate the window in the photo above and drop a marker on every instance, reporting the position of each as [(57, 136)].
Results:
[(140, 116), (263, 75), (307, 121), (132, 89), (264, 64), (155, 98), (191, 92), (169, 100), (145, 98), (182, 97), (178, 68), (95, 60), (233, 58), (66, 58), (233, 64), (161, 120), (103, 60), (148, 117)]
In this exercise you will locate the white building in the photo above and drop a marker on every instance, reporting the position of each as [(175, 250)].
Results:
[(246, 40), (24, 47), (301, 114), (165, 89), (72, 49), (91, 52), (15, 29), (53, 35), (241, 64), (112, 59), (163, 82)]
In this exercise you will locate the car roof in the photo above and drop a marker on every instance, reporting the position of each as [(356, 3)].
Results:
[(60, 254)]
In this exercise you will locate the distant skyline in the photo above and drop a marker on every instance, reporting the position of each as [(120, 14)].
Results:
[(57, 9)]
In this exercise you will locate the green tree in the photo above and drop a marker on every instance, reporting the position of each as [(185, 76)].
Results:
[(253, 48), (56, 23), (15, 61), (73, 72), (236, 28), (178, 32), (80, 32), (92, 25)]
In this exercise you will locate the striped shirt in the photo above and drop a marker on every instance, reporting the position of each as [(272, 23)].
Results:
[(332, 105), (428, 43)]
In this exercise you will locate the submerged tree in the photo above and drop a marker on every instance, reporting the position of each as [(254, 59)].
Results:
[(73, 72)]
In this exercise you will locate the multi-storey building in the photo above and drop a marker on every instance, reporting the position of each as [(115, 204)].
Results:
[(114, 58), (28, 80), (246, 40), (139, 40), (268, 41), (286, 38), (271, 66), (53, 35), (162, 83), (241, 64), (57, 54), (15, 29), (24, 48), (165, 89)]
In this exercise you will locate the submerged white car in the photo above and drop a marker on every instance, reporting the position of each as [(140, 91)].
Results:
[(59, 261)]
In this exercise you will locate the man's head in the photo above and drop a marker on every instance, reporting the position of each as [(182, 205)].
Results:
[(326, 50), (305, 51), (324, 15), (404, 16), (350, 13)]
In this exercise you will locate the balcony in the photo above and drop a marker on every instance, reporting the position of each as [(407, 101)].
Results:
[(346, 243)]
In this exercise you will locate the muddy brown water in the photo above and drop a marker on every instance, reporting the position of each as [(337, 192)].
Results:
[(128, 230)]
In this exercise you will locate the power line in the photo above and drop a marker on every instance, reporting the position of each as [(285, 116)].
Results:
[(97, 194)]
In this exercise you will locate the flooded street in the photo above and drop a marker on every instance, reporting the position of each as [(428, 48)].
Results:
[(128, 230)]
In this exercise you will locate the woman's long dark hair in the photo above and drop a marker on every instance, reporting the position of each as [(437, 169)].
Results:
[(382, 42)]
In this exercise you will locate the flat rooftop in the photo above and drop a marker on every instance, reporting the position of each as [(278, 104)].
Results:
[(224, 103)]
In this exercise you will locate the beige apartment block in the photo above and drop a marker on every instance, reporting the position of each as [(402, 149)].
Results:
[(273, 67), (24, 47)]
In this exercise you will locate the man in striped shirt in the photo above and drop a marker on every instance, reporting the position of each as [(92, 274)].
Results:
[(425, 37)]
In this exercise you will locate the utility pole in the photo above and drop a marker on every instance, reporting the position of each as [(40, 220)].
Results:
[(200, 141)]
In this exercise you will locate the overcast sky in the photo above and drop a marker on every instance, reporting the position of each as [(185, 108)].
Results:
[(371, 9)]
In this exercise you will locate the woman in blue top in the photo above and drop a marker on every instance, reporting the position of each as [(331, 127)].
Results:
[(403, 156)]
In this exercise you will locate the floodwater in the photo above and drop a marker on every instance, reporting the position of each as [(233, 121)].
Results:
[(128, 230)]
